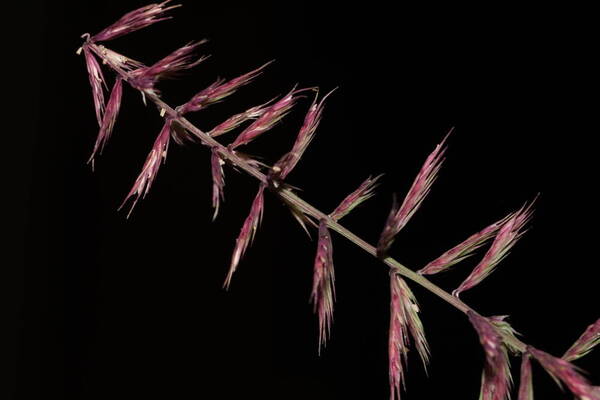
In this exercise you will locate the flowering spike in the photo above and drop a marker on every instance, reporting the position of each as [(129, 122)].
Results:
[(236, 120), (399, 216), (219, 90), (462, 250), (96, 81), (268, 119), (525, 384), (181, 59), (323, 288), (496, 379), (586, 342), (134, 20), (363, 193), (216, 166), (144, 181), (110, 116), (564, 372), (286, 164), (404, 319), (507, 236), (246, 233)]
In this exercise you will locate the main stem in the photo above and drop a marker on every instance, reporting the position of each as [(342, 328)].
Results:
[(290, 197)]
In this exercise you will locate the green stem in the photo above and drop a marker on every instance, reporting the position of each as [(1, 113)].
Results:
[(296, 201)]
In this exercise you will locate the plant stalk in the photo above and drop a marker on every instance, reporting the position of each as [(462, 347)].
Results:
[(292, 198)]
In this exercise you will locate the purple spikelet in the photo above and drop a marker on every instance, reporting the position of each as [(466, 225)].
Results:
[(268, 119), (404, 320), (496, 379), (181, 59), (323, 288), (510, 232), (134, 20), (158, 154), (586, 342), (363, 193), (216, 167), (110, 117), (246, 233), (526, 383), (286, 164), (462, 250), (399, 216), (218, 91), (565, 372), (236, 120), (96, 81)]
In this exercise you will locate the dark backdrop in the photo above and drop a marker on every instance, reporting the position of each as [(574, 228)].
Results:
[(115, 308)]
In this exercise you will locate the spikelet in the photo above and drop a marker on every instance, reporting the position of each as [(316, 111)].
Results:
[(119, 60), (510, 232), (247, 233), (144, 181), (586, 342), (236, 120), (563, 372), (496, 379), (216, 167), (134, 20), (268, 119), (400, 215), (286, 164), (323, 288), (526, 383), (404, 321), (463, 250), (218, 91), (363, 193), (181, 59), (96, 81), (110, 117)]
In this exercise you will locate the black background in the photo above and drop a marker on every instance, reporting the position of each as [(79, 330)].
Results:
[(115, 308)]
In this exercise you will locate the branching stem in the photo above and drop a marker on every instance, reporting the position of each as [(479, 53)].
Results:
[(290, 197)]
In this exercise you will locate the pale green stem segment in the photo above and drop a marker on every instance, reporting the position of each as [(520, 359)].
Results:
[(293, 199)]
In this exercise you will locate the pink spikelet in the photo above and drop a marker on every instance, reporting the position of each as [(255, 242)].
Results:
[(363, 193), (246, 233), (286, 164), (238, 119), (566, 373), (268, 119), (96, 82), (216, 167), (119, 60), (586, 342), (526, 383), (181, 59), (404, 320), (323, 288), (463, 250), (158, 154), (110, 117), (135, 20), (509, 233), (399, 216), (219, 91), (496, 379)]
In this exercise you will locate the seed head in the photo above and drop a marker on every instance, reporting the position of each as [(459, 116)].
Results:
[(323, 288), (399, 216), (509, 233), (134, 20), (109, 119)]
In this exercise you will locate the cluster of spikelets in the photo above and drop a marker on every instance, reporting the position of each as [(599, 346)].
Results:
[(405, 324)]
